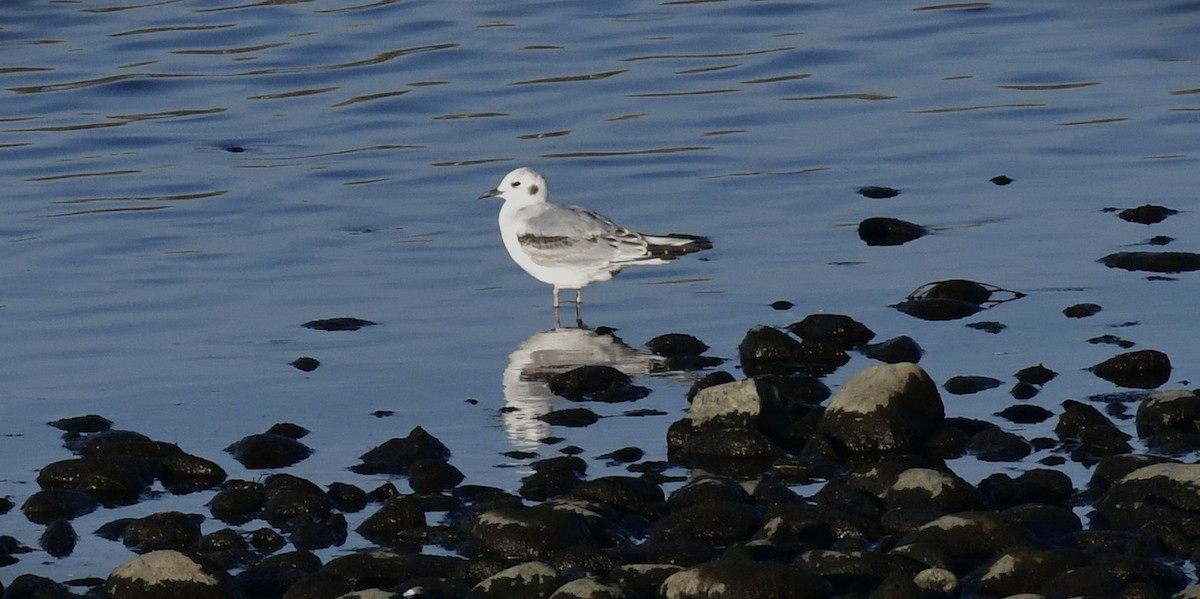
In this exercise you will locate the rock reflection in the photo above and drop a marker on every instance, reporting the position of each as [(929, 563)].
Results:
[(543, 355)]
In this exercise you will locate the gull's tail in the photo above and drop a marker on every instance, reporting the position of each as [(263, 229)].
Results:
[(670, 247)]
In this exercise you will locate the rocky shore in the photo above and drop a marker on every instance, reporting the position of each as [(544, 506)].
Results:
[(889, 519)]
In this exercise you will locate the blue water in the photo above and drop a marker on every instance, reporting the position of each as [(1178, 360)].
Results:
[(186, 183)]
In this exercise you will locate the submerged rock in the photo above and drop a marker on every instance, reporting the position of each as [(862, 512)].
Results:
[(1143, 369), (882, 231), (1164, 262)]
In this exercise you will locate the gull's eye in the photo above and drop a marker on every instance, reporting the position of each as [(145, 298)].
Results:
[(516, 183)]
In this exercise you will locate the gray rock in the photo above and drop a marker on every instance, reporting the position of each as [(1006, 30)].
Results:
[(530, 579), (168, 573), (884, 408)]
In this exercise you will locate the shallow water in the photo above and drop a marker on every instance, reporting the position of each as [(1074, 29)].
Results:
[(187, 183)]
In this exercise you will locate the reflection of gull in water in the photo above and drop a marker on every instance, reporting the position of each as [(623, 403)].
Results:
[(543, 355)]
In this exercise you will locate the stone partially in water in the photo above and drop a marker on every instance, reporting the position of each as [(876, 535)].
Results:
[(163, 530), (168, 573), (338, 324), (884, 408), (883, 231), (1143, 369), (268, 450), (966, 385), (596, 383), (837, 329), (395, 456), (1165, 262), (1146, 214)]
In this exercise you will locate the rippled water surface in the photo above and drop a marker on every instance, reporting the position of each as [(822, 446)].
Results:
[(186, 183)]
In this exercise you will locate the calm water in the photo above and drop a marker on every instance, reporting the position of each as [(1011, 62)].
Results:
[(186, 183)]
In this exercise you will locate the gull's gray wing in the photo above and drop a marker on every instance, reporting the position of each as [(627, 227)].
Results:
[(556, 235)]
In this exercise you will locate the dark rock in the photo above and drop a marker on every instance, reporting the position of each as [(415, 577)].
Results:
[(226, 539), (996, 445), (58, 539), (1000, 180), (1049, 487), (931, 489), (1025, 414), (966, 385), (393, 524), (570, 417), (268, 450), (1146, 214), (305, 364), (988, 326), (856, 571), (836, 329), (238, 502), (1165, 262), (396, 455), (878, 193), (346, 497), (288, 497), (883, 231), (895, 350), (313, 533), (288, 429), (742, 579), (1036, 375), (676, 345), (624, 455), (1168, 411), (619, 491), (707, 489), (937, 308), (111, 481), (588, 587), (83, 424), (1143, 369), (44, 507), (524, 533), (766, 350), (432, 476), (964, 539), (1158, 492), (530, 579), (884, 408), (163, 530), (641, 580), (596, 383), (1082, 310), (168, 573), (338, 324), (30, 586), (273, 576), (267, 540), (782, 305), (1051, 526), (1022, 391), (185, 473), (1023, 570)]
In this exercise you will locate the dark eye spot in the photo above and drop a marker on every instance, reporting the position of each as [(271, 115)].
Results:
[(533, 189), (516, 183)]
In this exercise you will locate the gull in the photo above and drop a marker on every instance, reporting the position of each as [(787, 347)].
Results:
[(569, 247)]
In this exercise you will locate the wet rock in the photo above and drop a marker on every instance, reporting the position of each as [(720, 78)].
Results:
[(570, 417), (346, 497), (1143, 369), (305, 364), (1036, 375), (553, 477), (518, 532), (287, 497), (384, 569), (953, 299), (273, 576), (1042, 486), (1025, 414), (1023, 570), (432, 476), (895, 350), (596, 383), (988, 326), (782, 305), (930, 489), (268, 450), (314, 533), (588, 587), (1001, 180), (185, 473), (836, 329), (1112, 340), (714, 523), (30, 586), (90, 423), (961, 541), (1168, 412), (393, 524), (58, 539), (168, 573), (739, 579), (529, 579), (996, 445), (395, 456), (266, 540), (111, 481), (966, 385), (628, 492), (1165, 492), (624, 455), (766, 350), (707, 489), (884, 408), (1146, 214), (226, 539), (1082, 310), (676, 345), (44, 507), (163, 530), (851, 572), (876, 192), (238, 502), (1164, 262), (883, 231), (338, 324), (1022, 391), (121, 444)]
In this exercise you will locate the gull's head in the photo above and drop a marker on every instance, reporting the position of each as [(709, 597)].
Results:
[(524, 185)]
